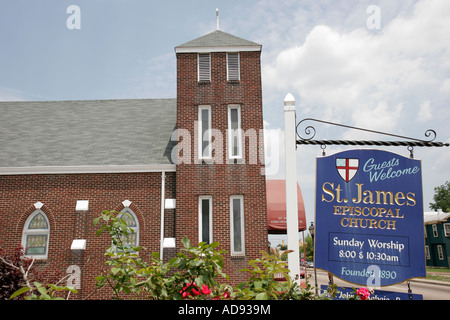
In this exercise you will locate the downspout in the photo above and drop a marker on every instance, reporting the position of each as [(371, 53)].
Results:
[(163, 187)]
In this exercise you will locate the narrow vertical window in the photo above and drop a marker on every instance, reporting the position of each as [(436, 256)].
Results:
[(36, 233), (233, 72), (234, 132), (205, 219), (440, 252), (204, 67), (237, 225), (204, 132), (435, 231)]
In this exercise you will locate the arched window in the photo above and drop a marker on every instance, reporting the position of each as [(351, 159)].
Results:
[(132, 222), (36, 234)]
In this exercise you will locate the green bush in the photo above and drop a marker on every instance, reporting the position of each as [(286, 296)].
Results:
[(193, 274)]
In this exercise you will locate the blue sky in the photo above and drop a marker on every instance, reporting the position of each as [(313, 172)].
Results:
[(392, 77)]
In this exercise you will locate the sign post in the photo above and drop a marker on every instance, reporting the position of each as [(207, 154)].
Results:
[(369, 217), (291, 188)]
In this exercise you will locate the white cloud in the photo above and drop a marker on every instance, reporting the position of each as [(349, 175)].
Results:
[(445, 87), (359, 75), (425, 113), (394, 80), (382, 117)]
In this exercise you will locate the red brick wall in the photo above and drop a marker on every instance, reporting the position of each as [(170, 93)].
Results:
[(222, 180), (59, 194)]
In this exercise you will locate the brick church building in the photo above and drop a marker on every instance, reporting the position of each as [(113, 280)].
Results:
[(191, 166)]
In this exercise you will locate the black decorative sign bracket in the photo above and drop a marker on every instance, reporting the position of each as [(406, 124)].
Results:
[(310, 133)]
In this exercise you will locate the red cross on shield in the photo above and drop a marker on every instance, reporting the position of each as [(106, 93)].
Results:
[(347, 168)]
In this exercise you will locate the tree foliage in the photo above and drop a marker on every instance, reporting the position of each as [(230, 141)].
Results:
[(441, 198), (193, 269), (20, 280), (11, 275)]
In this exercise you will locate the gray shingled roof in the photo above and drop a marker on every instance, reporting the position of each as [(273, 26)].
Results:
[(218, 38), (86, 133)]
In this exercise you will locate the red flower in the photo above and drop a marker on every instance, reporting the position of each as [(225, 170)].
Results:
[(194, 290), (205, 289), (364, 293)]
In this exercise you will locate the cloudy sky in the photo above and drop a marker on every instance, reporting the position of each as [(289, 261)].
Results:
[(376, 64)]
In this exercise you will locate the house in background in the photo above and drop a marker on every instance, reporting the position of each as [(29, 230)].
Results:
[(437, 239), (190, 166)]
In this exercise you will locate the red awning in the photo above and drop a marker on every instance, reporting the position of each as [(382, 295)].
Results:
[(276, 207)]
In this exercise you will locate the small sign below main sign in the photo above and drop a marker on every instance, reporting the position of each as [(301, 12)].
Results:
[(344, 293), (369, 217)]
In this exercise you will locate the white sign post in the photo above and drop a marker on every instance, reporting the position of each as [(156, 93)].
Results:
[(291, 187)]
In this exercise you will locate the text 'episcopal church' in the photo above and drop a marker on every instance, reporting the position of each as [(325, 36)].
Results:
[(186, 167)]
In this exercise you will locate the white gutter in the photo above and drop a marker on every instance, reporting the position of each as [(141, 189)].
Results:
[(87, 169)]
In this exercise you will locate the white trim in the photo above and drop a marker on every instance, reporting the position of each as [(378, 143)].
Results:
[(170, 204), (78, 244), (82, 205), (216, 49), (87, 169), (126, 203), (38, 205), (231, 133), (169, 243), (242, 229), (210, 226), (208, 133)]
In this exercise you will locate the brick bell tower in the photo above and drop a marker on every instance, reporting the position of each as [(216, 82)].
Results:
[(221, 191)]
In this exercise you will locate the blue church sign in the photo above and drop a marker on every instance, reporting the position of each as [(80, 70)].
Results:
[(369, 217)]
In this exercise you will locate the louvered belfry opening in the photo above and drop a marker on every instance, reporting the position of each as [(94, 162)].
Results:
[(204, 67), (233, 66)]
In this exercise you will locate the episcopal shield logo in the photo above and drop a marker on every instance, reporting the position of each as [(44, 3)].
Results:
[(347, 168)]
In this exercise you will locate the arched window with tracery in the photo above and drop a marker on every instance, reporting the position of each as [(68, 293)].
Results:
[(36, 234)]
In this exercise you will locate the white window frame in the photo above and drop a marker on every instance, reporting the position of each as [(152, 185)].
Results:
[(203, 76), (435, 230), (427, 252), (200, 218), (33, 232), (232, 133), (235, 252), (229, 78), (446, 227), (208, 133), (440, 251)]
